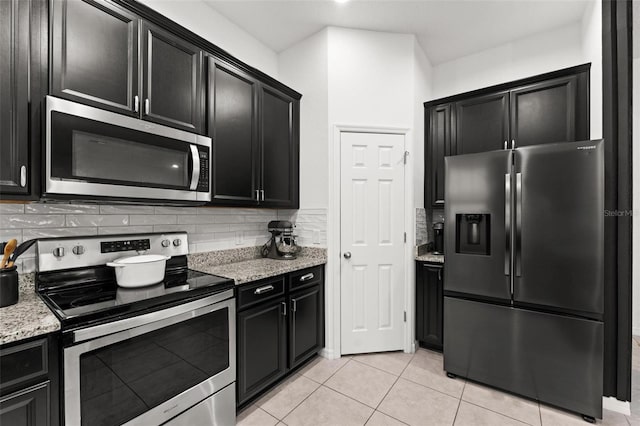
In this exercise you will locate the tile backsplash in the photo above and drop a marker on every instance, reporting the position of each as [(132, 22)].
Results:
[(209, 228)]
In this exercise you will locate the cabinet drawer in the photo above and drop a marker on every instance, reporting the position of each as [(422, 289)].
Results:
[(24, 362), (305, 277), (263, 290)]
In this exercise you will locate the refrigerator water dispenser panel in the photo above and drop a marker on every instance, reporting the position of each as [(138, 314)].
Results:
[(473, 231)]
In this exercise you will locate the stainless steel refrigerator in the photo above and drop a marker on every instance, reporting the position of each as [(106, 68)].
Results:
[(524, 239)]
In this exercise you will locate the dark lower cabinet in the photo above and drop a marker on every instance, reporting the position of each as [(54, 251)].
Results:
[(279, 327), (429, 304), (29, 407), (29, 382), (262, 347)]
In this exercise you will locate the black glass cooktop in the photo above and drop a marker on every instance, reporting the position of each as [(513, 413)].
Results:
[(102, 299)]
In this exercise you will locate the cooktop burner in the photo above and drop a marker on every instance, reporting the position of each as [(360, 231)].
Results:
[(102, 299)]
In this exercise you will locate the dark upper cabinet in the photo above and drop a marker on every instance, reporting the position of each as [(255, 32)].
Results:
[(545, 112), (306, 324), (95, 61), (172, 80), (549, 108), (233, 128), (23, 83), (280, 160), (482, 123), (262, 347), (429, 302), (440, 145), (94, 54)]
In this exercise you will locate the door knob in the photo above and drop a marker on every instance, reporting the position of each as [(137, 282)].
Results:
[(347, 255)]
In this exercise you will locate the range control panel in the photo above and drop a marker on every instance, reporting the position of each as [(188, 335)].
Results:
[(125, 245), (54, 254)]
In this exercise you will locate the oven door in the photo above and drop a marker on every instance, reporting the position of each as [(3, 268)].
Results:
[(91, 152), (153, 367)]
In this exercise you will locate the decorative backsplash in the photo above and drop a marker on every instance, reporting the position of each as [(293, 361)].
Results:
[(209, 228)]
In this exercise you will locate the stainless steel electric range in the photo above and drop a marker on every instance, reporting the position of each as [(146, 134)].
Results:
[(159, 354)]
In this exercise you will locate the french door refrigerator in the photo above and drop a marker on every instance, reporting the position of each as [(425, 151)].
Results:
[(524, 238)]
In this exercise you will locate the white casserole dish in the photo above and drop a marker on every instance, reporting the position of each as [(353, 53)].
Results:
[(139, 271)]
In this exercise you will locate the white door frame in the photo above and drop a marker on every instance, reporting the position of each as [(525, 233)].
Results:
[(332, 289)]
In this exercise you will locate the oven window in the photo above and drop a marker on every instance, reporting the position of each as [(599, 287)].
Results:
[(121, 381), (101, 157), (97, 152)]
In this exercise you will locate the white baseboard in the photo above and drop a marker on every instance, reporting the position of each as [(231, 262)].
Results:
[(613, 404), (328, 353)]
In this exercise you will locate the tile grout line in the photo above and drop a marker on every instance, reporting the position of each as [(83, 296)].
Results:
[(502, 414), (459, 402)]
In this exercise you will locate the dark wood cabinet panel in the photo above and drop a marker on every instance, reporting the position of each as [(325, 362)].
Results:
[(233, 128), (544, 112), (94, 54), (14, 96), (262, 347), (439, 146), (29, 407), (172, 75), (482, 123), (280, 160), (429, 303), (306, 324)]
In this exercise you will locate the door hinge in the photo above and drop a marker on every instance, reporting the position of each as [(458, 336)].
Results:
[(406, 155), (405, 316), (405, 237)]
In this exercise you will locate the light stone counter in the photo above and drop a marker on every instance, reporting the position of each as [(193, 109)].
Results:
[(430, 257), (242, 269), (30, 317)]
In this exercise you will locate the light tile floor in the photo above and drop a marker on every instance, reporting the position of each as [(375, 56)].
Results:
[(395, 388)]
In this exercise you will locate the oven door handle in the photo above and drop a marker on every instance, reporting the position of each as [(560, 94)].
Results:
[(195, 167)]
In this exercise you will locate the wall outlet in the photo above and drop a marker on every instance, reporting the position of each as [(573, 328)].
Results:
[(238, 237), (316, 236)]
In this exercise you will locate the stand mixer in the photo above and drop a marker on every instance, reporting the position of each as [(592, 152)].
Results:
[(282, 244)]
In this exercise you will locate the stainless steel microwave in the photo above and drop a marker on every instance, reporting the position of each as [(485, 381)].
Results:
[(97, 154)]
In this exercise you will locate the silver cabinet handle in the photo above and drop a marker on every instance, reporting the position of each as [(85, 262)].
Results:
[(265, 289), (262, 195), (505, 144), (347, 255), (23, 176), (284, 308), (146, 106), (513, 144), (257, 195), (294, 305), (440, 274), (136, 103), (306, 277)]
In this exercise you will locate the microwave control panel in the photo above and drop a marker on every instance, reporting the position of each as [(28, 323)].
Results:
[(203, 182)]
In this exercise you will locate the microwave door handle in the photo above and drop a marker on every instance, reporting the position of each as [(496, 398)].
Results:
[(195, 170)]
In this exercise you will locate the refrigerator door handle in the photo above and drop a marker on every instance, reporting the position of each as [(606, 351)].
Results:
[(518, 248), (507, 223)]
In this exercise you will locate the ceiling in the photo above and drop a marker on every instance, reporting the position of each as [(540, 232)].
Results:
[(446, 29)]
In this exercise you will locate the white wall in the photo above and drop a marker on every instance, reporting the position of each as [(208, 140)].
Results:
[(304, 66), (205, 21), (422, 75), (521, 58), (636, 169)]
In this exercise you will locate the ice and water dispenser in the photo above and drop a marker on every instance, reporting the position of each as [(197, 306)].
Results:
[(473, 233)]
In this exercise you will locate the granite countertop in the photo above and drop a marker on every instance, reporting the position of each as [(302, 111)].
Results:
[(430, 257), (246, 270), (29, 317)]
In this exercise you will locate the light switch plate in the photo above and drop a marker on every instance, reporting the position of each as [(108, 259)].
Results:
[(238, 237), (316, 236)]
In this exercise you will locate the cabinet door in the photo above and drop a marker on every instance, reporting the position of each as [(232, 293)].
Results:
[(29, 407), (429, 300), (439, 146), (262, 347), (482, 123), (233, 128), (14, 96), (94, 54), (306, 324), (544, 112), (280, 144), (172, 80)]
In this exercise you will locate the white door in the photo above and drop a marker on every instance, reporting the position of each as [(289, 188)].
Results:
[(372, 242)]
